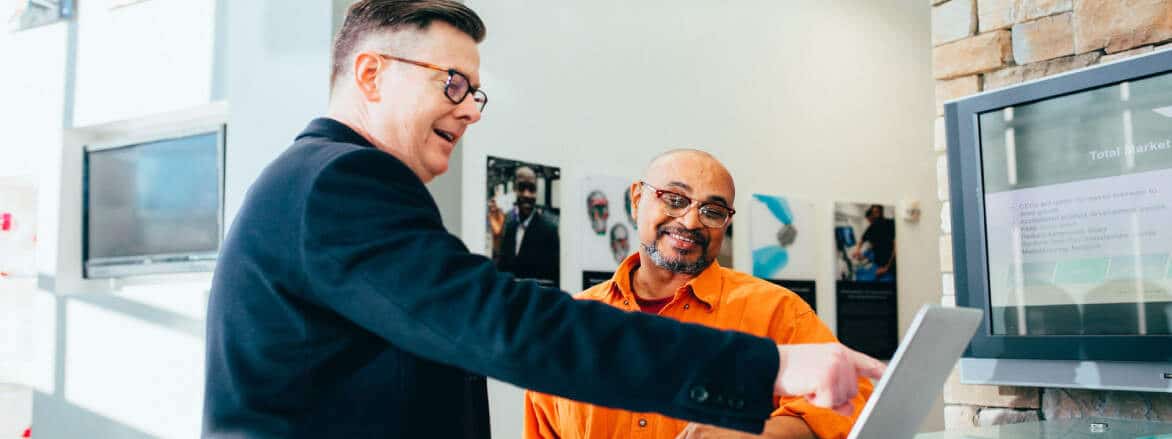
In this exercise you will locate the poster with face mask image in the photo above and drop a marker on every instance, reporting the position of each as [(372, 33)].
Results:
[(865, 272), (522, 223), (607, 233), (783, 246)]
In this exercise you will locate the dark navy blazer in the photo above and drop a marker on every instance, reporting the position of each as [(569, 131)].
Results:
[(341, 307)]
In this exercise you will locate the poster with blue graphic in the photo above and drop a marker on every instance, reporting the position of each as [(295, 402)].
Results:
[(782, 241)]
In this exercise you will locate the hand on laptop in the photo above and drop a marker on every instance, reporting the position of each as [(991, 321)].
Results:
[(826, 374)]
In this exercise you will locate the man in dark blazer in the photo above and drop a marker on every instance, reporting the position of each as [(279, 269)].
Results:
[(341, 307), (536, 254)]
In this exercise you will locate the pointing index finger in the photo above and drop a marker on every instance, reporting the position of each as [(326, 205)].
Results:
[(867, 366)]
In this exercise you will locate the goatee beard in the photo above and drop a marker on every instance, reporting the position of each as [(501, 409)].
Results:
[(679, 266)]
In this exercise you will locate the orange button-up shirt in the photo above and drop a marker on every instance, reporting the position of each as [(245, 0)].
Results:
[(719, 298)]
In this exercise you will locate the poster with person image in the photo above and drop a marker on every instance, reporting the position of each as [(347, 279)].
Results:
[(782, 244), (607, 232), (522, 224), (864, 240), (865, 271)]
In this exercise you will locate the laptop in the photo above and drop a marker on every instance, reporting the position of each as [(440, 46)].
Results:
[(916, 373)]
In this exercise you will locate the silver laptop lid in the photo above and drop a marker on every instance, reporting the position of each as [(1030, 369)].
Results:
[(916, 373)]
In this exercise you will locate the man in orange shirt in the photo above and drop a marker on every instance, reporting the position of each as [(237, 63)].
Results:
[(683, 207)]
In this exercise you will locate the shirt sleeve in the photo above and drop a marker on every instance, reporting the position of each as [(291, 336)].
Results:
[(800, 326), (539, 416), (375, 252)]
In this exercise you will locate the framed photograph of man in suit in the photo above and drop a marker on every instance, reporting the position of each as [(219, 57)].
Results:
[(522, 223)]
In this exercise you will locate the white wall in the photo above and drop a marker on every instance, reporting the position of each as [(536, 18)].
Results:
[(32, 84), (813, 99), (30, 118), (143, 59), (278, 80), (32, 110)]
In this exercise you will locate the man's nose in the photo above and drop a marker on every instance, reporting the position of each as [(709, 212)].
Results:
[(469, 110), (691, 219)]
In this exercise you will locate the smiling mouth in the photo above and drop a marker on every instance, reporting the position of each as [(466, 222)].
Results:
[(445, 135), (683, 238), (686, 242)]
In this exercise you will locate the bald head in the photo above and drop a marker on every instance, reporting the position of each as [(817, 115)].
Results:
[(525, 174), (691, 167)]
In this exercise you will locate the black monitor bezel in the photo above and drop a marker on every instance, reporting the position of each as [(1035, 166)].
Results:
[(968, 220)]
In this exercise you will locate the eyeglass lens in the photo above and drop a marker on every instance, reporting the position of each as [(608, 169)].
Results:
[(711, 215), (458, 87)]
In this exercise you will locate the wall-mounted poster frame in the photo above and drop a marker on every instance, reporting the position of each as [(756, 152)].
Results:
[(865, 277), (606, 235), (783, 244), (523, 217)]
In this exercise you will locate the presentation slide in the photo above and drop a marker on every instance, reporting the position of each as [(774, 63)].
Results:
[(1078, 211), (1048, 243)]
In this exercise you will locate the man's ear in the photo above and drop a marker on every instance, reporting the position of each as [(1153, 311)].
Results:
[(636, 194), (366, 69)]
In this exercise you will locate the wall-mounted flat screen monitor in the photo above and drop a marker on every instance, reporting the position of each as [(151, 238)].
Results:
[(153, 206), (1062, 222)]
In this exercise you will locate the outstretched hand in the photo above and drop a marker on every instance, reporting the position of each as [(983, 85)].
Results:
[(825, 374)]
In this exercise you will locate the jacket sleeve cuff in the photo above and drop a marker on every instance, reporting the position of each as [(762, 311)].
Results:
[(737, 390)]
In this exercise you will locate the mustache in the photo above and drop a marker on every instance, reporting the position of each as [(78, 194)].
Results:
[(525, 201), (694, 235)]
